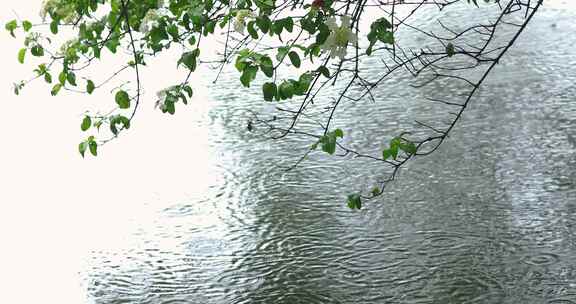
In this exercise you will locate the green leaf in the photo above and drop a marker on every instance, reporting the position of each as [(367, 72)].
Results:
[(450, 50), (71, 77), (169, 107), (267, 66), (37, 50), (263, 23), (394, 151), (183, 97), (26, 25), (173, 31), (324, 71), (122, 99), (48, 77), (338, 133), (209, 28), (93, 146), (386, 154), (288, 24), (328, 141), (375, 191), (286, 90), (113, 128), (82, 147), (354, 201), (90, 87), (55, 89), (86, 123), (323, 34), (308, 25), (62, 78), (18, 87), (54, 27), (252, 30), (119, 119), (328, 144), (380, 31), (188, 90), (408, 147), (192, 40), (269, 90), (277, 27), (189, 59), (282, 51), (248, 75), (11, 26), (294, 58), (21, 55), (303, 84)]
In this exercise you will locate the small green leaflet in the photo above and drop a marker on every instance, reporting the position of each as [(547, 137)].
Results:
[(93, 146), (82, 147), (354, 201), (86, 123), (11, 26), (21, 55), (122, 99), (37, 50), (328, 141), (26, 25), (324, 71), (450, 49), (269, 90), (90, 86), (294, 59)]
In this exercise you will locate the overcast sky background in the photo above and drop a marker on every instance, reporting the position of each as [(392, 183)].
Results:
[(55, 207)]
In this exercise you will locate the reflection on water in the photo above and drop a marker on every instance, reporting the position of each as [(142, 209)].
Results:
[(490, 218)]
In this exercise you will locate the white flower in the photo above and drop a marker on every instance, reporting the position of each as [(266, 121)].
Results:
[(64, 10), (66, 45), (340, 36), (46, 5), (149, 21), (161, 97), (167, 93), (240, 21)]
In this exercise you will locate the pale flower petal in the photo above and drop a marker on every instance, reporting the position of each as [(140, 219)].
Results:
[(239, 26), (149, 21), (240, 21), (331, 23), (339, 38), (345, 21)]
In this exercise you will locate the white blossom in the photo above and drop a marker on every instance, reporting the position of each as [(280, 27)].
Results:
[(62, 8), (46, 5), (66, 45), (161, 97), (240, 21), (339, 37), (149, 21), (163, 94)]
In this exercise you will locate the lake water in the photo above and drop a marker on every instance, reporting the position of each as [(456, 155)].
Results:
[(489, 218)]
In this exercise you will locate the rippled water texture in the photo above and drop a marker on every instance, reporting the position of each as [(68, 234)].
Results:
[(490, 218)]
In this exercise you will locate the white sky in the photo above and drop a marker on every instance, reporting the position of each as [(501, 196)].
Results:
[(55, 206)]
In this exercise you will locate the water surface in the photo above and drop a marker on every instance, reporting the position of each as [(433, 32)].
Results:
[(489, 218)]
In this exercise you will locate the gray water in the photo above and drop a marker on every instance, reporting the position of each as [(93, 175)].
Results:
[(489, 218)]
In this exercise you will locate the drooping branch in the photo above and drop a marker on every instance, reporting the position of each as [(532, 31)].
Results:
[(317, 57)]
